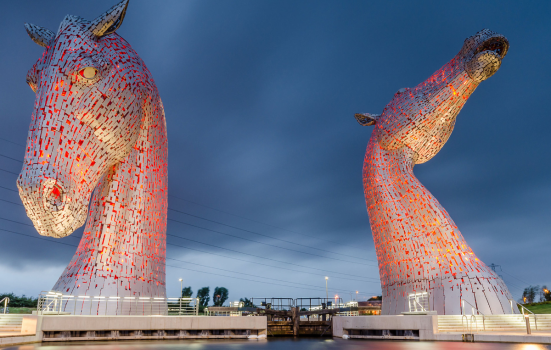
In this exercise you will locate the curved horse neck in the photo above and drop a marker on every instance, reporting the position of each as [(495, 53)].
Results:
[(124, 243), (418, 246)]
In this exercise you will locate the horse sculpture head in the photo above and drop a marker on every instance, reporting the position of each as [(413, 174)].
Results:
[(423, 118), (420, 250), (91, 90)]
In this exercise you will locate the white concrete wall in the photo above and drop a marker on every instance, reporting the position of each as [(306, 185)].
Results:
[(102, 323), (426, 324), (30, 324)]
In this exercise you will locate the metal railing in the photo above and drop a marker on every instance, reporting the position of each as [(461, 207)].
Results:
[(313, 304), (6, 300), (54, 303), (523, 314), (183, 306), (473, 319), (415, 299), (422, 307), (274, 303)]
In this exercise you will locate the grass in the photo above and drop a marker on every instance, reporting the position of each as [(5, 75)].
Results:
[(539, 308), (21, 310)]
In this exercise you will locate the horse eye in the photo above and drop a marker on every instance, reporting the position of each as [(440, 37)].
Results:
[(88, 72)]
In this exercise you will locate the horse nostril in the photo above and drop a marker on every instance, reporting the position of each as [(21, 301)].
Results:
[(54, 196), (56, 192)]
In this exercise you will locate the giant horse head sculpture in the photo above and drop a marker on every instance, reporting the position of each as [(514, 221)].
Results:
[(98, 124), (423, 118), (420, 251)]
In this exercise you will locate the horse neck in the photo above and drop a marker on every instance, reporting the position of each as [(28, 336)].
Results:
[(139, 186), (122, 251), (408, 223)]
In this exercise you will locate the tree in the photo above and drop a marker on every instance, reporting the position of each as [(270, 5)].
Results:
[(373, 298), (187, 292), (220, 296), (247, 302), (19, 301), (529, 294), (545, 294), (203, 295)]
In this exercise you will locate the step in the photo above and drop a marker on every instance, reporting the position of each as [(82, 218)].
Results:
[(11, 323)]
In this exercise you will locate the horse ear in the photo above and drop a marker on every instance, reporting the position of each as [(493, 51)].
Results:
[(110, 21), (366, 119), (41, 36)]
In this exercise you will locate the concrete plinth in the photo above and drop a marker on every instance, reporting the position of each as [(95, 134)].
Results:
[(415, 327), (497, 329), (78, 328)]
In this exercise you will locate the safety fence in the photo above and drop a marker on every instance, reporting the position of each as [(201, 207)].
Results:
[(54, 303)]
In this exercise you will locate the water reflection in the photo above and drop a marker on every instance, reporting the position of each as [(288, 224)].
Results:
[(278, 344)]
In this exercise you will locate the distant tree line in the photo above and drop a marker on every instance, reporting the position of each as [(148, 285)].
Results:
[(19, 301), (219, 296), (531, 294)]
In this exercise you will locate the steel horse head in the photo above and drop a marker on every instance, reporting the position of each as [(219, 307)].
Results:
[(419, 248), (98, 139)]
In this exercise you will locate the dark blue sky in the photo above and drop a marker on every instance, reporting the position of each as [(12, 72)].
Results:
[(259, 98)]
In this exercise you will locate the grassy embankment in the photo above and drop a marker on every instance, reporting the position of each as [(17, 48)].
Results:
[(21, 310), (539, 308)]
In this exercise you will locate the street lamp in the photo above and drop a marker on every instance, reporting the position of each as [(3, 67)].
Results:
[(181, 286), (356, 295), (326, 293)]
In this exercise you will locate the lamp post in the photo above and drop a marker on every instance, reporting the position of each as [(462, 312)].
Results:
[(356, 295), (326, 293), (181, 286)]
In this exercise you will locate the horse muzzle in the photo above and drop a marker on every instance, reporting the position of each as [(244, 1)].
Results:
[(50, 207), (487, 58)]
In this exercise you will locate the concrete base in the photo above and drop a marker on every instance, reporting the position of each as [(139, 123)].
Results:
[(17, 339), (79, 328), (412, 327), (423, 328), (26, 335)]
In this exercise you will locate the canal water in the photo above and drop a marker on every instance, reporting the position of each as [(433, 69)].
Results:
[(277, 344)]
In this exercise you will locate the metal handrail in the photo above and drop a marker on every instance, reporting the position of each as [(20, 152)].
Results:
[(466, 322), (6, 300), (57, 303), (472, 311), (524, 308), (473, 317), (422, 307), (474, 308)]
